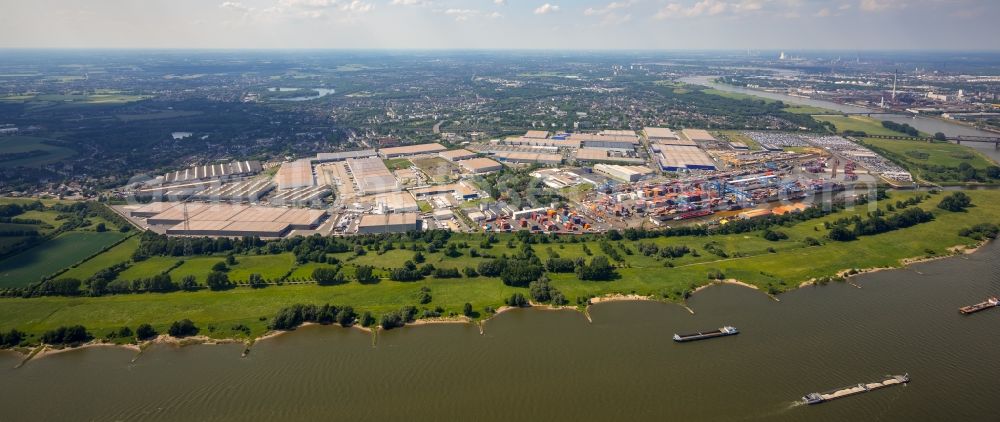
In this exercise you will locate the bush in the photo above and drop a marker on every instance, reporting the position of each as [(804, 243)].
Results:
[(327, 276), (391, 320), (183, 328), (11, 338), (220, 266), (598, 269), (981, 231), (365, 274), (517, 300), (219, 280), (145, 332), (774, 235), (467, 309), (74, 334), (955, 202)]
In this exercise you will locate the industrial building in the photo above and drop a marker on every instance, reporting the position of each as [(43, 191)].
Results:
[(459, 190), (330, 157), (680, 157), (388, 223), (480, 165), (371, 176), (623, 173), (604, 155), (214, 171), (537, 134), (296, 174), (395, 202), (613, 142), (301, 197), (410, 150), (457, 155), (228, 220), (698, 135), (544, 142), (660, 134), (243, 191), (151, 209), (528, 157)]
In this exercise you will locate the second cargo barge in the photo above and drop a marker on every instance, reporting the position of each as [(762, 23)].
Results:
[(724, 331), (888, 381)]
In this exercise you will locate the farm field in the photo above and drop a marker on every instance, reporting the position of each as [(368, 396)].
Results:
[(122, 252), (932, 153), (66, 249), (27, 151), (436, 168)]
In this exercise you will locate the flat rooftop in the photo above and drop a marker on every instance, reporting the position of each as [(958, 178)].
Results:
[(457, 154), (678, 156), (698, 135), (412, 149), (660, 132), (538, 134), (479, 165)]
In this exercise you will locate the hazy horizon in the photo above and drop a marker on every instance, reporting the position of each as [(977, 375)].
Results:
[(585, 25)]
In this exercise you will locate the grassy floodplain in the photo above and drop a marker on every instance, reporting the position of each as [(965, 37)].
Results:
[(911, 154), (779, 266), (858, 124), (45, 259)]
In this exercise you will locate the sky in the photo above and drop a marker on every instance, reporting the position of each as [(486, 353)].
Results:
[(504, 24)]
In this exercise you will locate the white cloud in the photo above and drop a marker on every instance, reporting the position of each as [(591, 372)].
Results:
[(461, 15), (720, 7), (609, 8), (342, 10), (546, 8), (500, 2), (703, 7), (420, 3), (880, 5)]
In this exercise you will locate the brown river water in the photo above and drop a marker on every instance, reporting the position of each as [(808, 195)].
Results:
[(555, 365)]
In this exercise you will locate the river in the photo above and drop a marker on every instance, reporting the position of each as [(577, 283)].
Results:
[(555, 365), (923, 124)]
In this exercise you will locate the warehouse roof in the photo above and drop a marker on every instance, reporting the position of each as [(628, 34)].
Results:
[(263, 214), (374, 220), (457, 154), (677, 156), (219, 212), (660, 132), (412, 149), (539, 134), (295, 174), (479, 165), (340, 156), (698, 135)]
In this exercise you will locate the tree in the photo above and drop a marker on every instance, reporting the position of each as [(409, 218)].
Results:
[(183, 328), (189, 283), (346, 316), (231, 259), (418, 258), (218, 280), (517, 300), (392, 320), (955, 202), (256, 281), (540, 290), (145, 332), (11, 338), (364, 274), (467, 309), (841, 234), (101, 228), (598, 269), (367, 320), (220, 266), (327, 276), (73, 334), (61, 287), (940, 137)]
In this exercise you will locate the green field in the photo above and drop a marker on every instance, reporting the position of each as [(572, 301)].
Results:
[(118, 254), (397, 163), (106, 97), (41, 152), (737, 96), (938, 153), (802, 109), (857, 123), (45, 259), (780, 266), (157, 115)]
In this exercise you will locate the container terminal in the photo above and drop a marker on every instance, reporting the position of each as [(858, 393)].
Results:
[(887, 381)]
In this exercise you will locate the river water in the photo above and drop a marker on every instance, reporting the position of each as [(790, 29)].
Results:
[(923, 124), (555, 365)]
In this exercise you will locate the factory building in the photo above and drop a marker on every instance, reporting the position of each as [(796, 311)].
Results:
[(537, 134), (296, 174), (388, 223), (605, 156), (411, 150), (301, 197), (623, 173), (660, 134), (331, 157), (544, 142), (227, 220), (681, 157), (214, 172), (395, 202), (151, 209), (371, 176), (622, 143), (480, 165), (528, 157), (229, 229), (459, 190), (698, 135), (243, 191), (457, 155)]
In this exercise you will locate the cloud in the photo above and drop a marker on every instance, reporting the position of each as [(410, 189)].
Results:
[(342, 10), (724, 7), (701, 8), (546, 9), (500, 2), (461, 15), (609, 8), (419, 3), (880, 5)]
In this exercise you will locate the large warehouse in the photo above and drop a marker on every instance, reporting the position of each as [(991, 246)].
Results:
[(604, 141), (623, 173), (371, 176), (411, 150), (699, 135), (331, 157), (605, 156), (528, 157), (296, 174), (388, 223), (229, 220), (682, 157), (480, 165), (457, 154), (214, 171)]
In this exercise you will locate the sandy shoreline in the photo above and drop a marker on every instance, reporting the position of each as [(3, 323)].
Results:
[(31, 354)]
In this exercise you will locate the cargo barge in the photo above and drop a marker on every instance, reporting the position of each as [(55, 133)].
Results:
[(888, 381), (724, 331), (971, 309)]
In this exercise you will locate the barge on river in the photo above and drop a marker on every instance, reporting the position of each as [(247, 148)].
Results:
[(724, 331), (981, 306), (888, 381)]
